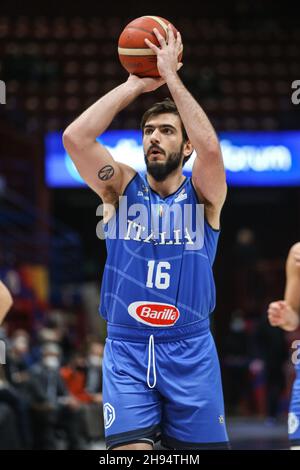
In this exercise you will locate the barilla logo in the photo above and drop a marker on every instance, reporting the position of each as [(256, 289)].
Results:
[(154, 314)]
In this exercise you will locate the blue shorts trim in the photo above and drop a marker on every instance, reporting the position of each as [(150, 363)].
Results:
[(148, 435)]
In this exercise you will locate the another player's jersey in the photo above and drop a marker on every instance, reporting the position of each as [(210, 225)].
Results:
[(158, 274)]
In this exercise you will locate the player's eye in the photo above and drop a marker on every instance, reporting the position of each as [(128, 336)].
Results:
[(148, 131)]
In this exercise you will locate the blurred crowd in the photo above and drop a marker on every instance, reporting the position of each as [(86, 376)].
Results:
[(50, 392), (255, 357), (257, 369)]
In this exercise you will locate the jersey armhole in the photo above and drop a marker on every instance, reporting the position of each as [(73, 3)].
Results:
[(217, 230)]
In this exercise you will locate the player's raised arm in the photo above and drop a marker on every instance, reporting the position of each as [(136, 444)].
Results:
[(5, 301), (286, 313), (208, 171), (93, 161)]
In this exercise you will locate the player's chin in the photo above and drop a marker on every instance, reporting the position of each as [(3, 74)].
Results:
[(156, 158), (155, 163)]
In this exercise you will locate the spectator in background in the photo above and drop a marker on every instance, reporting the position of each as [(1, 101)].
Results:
[(56, 330), (9, 425), (94, 370), (18, 360), (17, 372), (94, 386), (74, 376), (5, 301), (83, 378), (53, 407)]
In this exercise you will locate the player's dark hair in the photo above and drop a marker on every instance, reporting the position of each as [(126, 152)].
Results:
[(162, 107)]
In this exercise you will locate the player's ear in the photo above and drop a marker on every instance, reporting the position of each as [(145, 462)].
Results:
[(187, 148)]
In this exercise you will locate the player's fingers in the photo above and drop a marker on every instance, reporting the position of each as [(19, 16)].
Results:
[(274, 317), (170, 34), (274, 311), (271, 319), (274, 314), (160, 38), (178, 40), (274, 323), (152, 46), (275, 305)]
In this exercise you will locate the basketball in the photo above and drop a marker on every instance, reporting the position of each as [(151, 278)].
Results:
[(135, 56)]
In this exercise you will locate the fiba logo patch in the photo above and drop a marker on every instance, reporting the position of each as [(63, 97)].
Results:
[(293, 423), (221, 419), (109, 415)]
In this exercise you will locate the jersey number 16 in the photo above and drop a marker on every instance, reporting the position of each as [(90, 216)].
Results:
[(162, 278)]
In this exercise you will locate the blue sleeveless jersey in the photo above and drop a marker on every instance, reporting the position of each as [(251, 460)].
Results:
[(158, 275)]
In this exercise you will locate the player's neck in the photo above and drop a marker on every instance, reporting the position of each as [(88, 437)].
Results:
[(168, 186)]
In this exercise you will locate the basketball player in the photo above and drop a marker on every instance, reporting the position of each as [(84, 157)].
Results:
[(5, 301), (286, 315), (160, 370)]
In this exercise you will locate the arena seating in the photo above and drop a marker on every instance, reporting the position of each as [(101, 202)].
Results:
[(240, 72)]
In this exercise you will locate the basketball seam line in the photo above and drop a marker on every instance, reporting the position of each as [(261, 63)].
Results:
[(159, 21)]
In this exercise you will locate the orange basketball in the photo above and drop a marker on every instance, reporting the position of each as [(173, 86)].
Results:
[(135, 56)]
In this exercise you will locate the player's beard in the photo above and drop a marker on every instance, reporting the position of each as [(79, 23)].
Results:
[(159, 170)]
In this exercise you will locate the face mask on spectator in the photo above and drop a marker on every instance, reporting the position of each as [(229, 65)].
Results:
[(52, 362), (20, 344), (95, 361)]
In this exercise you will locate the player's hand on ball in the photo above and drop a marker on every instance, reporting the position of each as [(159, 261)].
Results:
[(147, 84), (168, 53), (281, 314)]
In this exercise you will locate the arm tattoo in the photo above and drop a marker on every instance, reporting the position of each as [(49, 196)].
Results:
[(106, 173)]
